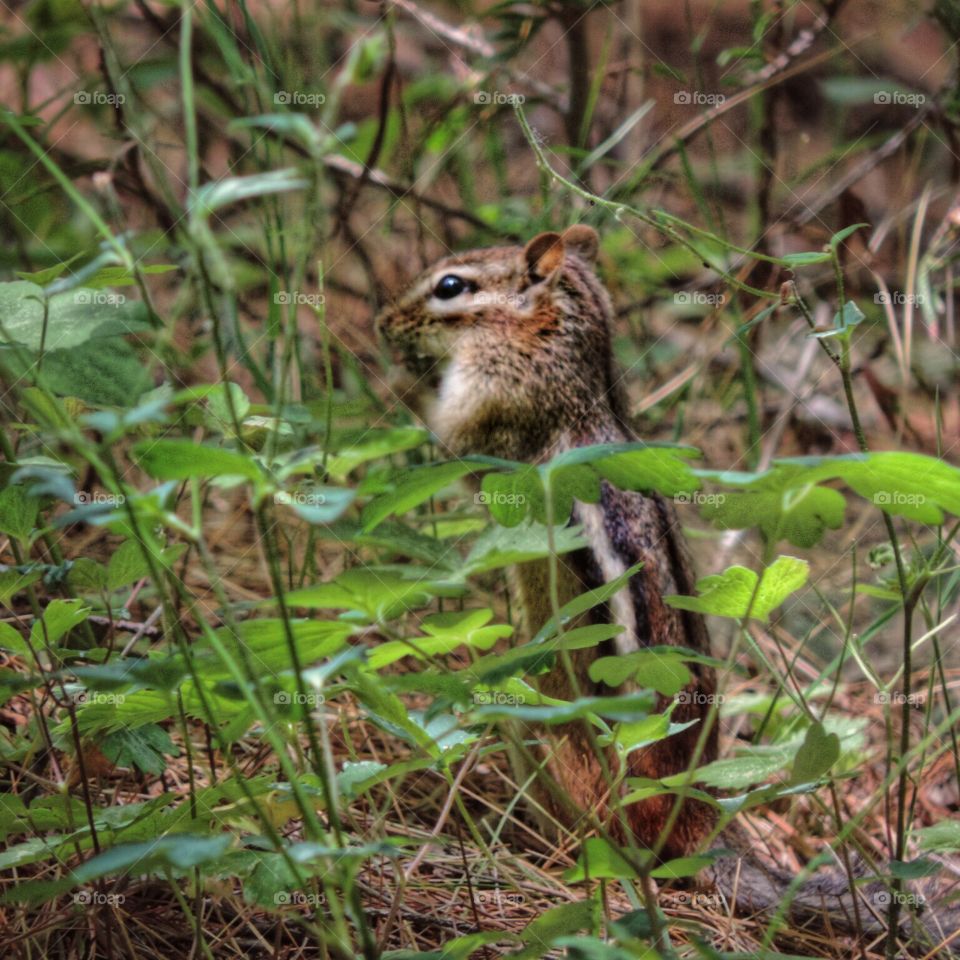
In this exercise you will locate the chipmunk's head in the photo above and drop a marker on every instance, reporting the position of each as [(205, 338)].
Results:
[(517, 339)]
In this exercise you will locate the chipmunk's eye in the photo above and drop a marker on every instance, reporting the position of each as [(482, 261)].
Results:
[(451, 286)]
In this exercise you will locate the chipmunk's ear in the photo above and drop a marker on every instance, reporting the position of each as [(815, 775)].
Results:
[(544, 255), (582, 241)]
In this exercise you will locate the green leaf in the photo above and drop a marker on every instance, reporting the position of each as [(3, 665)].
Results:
[(73, 318), (663, 671), (820, 751), (502, 546), (378, 593), (600, 860), (681, 867), (755, 766), (178, 852), (539, 935), (843, 322), (446, 632), (144, 747), (59, 618), (805, 259), (784, 503), (374, 445), (943, 837), (18, 512), (729, 594), (13, 582), (414, 487), (317, 504), (180, 459), (842, 235), (126, 565)]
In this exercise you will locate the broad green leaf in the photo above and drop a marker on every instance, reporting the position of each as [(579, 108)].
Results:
[(59, 618), (74, 318), (756, 766), (783, 503), (539, 935), (663, 671), (18, 511), (820, 751), (501, 546), (445, 632), (374, 445), (178, 852), (414, 487), (379, 593), (681, 867), (180, 459), (600, 860), (943, 837), (729, 594), (843, 322), (13, 582), (144, 747)]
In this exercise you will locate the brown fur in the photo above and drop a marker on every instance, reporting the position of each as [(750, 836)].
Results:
[(525, 370), (535, 356)]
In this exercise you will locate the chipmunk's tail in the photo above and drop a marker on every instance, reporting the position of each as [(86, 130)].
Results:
[(751, 884)]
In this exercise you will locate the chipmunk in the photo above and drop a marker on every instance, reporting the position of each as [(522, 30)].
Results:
[(518, 342)]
